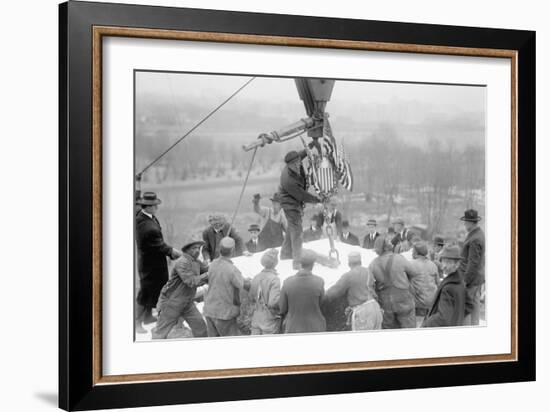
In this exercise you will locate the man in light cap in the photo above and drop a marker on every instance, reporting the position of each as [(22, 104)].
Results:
[(358, 286), (301, 298), (265, 291), (293, 196), (222, 301), (424, 282), (177, 296), (391, 273)]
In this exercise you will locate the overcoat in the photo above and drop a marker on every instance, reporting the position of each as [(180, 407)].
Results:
[(449, 303), (293, 189), (472, 263), (300, 303), (152, 253)]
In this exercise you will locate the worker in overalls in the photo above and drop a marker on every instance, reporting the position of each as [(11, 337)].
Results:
[(273, 224)]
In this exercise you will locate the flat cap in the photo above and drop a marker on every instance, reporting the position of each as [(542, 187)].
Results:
[(354, 257), (421, 248)]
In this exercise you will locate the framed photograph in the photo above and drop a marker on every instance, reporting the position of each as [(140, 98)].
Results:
[(257, 206)]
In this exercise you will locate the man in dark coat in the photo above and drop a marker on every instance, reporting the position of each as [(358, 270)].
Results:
[(472, 265), (450, 298), (372, 234), (212, 236), (293, 194), (152, 265), (348, 237), (177, 296), (301, 298), (402, 240), (254, 245), (333, 218)]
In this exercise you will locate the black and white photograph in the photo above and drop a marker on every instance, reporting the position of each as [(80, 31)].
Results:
[(292, 205)]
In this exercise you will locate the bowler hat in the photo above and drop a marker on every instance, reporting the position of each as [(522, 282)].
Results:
[(192, 242), (450, 252), (308, 257), (438, 240), (345, 223), (148, 199), (292, 155), (371, 222), (470, 215), (254, 228)]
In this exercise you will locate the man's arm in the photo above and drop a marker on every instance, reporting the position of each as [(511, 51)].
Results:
[(338, 289), (239, 245), (184, 269), (206, 252), (292, 187), (154, 241), (283, 302), (274, 294), (473, 264)]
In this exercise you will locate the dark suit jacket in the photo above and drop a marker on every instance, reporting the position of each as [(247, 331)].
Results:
[(211, 249), (351, 240), (472, 264), (368, 243), (293, 188), (152, 253), (449, 303), (300, 301), (336, 219), (254, 248)]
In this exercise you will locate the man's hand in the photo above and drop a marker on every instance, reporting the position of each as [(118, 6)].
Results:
[(175, 254)]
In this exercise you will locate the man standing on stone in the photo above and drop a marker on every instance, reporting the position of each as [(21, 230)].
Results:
[(222, 303), (213, 234), (472, 265), (293, 194), (152, 265)]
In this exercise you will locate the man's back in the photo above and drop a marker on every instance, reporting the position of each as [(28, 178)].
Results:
[(224, 284), (300, 300), (398, 275)]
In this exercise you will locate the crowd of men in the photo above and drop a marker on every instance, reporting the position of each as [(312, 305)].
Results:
[(441, 286)]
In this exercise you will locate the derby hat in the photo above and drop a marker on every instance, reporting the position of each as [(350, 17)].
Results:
[(254, 228), (470, 215), (192, 241), (371, 222), (291, 156), (148, 199), (451, 252)]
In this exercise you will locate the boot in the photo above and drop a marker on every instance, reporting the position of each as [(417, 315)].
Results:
[(148, 316)]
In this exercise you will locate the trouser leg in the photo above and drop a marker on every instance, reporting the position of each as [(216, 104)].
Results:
[(195, 321), (407, 319), (294, 232), (211, 328), (473, 297), (140, 311), (168, 318), (224, 327)]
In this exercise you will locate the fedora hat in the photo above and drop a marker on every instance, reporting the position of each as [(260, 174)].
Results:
[(470, 215), (451, 252), (191, 242), (438, 240), (371, 222), (148, 199), (254, 228)]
